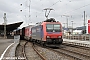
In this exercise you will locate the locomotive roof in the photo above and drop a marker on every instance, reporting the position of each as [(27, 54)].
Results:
[(50, 20), (47, 20)]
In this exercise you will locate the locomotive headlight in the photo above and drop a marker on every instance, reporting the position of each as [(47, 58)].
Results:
[(48, 36), (59, 36)]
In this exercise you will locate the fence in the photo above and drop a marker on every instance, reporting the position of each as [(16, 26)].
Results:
[(78, 37)]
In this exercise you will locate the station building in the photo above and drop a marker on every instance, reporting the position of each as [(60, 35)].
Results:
[(9, 29)]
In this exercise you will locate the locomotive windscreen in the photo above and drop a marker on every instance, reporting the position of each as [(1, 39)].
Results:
[(53, 28)]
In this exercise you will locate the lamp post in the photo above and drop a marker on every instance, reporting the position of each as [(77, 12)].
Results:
[(72, 26), (66, 19), (29, 7), (5, 22), (64, 25)]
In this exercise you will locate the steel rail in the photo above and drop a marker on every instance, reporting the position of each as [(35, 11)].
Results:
[(77, 53), (69, 53), (76, 46), (23, 51), (38, 53)]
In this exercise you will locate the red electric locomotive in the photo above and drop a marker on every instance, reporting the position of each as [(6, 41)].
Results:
[(48, 32)]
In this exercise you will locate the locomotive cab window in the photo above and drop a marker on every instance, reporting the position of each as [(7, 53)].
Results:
[(57, 28), (49, 28), (53, 28)]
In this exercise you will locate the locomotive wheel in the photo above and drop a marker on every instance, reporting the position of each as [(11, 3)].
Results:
[(43, 44)]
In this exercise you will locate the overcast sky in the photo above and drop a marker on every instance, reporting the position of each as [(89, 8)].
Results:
[(74, 9)]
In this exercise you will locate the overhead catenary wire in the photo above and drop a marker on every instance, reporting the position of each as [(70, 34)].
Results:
[(55, 3), (52, 4), (69, 1), (29, 8), (78, 8), (68, 11), (71, 10)]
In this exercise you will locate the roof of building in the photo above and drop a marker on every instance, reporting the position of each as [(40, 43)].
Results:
[(11, 27)]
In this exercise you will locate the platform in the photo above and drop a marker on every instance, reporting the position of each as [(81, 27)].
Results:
[(77, 42), (7, 48), (4, 43)]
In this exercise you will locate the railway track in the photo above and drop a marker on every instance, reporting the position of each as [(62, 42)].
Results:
[(49, 54), (43, 58), (28, 51), (38, 53), (43, 53), (23, 50), (34, 52), (20, 50), (77, 46), (73, 52)]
